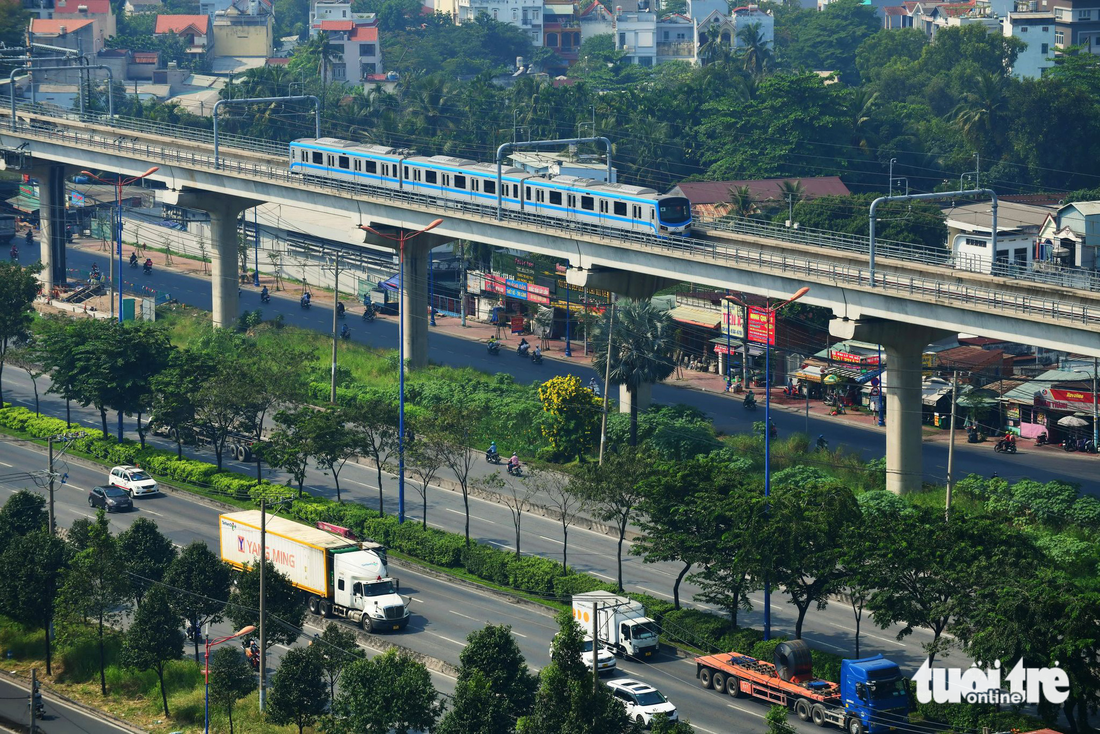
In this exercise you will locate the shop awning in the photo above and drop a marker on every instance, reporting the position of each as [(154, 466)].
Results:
[(390, 284), (696, 317), (24, 203), (934, 398), (868, 376), (809, 374), (735, 346)]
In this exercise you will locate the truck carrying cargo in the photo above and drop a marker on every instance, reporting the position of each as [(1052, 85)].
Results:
[(870, 697), (621, 623), (341, 577)]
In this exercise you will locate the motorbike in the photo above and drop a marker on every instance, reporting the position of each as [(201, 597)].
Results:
[(523, 350), (1069, 445), (1005, 447), (515, 470), (492, 457), (345, 333), (773, 432), (1086, 446), (493, 347), (749, 404), (972, 436), (147, 268), (1041, 440), (252, 652), (265, 298), (822, 444), (29, 238), (339, 310), (133, 262), (14, 252), (304, 303), (39, 707), (536, 358), (368, 315)]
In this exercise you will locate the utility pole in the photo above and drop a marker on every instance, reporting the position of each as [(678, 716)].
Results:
[(462, 261), (34, 687), (951, 444), (595, 652), (606, 383), (806, 394), (586, 318), (335, 335), (263, 640), (49, 471)]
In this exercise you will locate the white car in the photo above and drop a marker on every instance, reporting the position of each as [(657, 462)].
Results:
[(133, 479), (605, 661), (642, 701)]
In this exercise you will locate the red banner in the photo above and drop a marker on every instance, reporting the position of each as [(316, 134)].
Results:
[(495, 284), (761, 326), (850, 358)]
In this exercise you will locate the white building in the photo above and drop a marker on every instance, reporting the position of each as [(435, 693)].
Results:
[(523, 14), (969, 234), (1036, 29), (321, 11)]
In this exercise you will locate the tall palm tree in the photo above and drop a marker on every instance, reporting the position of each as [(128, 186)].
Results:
[(743, 204), (756, 52), (792, 191), (862, 102), (980, 110), (641, 346)]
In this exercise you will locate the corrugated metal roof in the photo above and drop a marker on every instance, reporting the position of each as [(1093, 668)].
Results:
[(696, 316)]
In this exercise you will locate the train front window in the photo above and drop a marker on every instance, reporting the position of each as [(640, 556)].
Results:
[(674, 211)]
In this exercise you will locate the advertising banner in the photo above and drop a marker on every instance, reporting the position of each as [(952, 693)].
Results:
[(761, 326)]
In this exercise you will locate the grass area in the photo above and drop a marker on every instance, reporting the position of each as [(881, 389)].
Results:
[(131, 695)]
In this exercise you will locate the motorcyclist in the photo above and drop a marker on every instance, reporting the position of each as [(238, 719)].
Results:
[(305, 299), (773, 432), (493, 344), (345, 332), (30, 237), (492, 453), (538, 353), (148, 264), (821, 442), (513, 463), (521, 350), (264, 295), (14, 252), (594, 387), (750, 399), (95, 271), (340, 309), (133, 259)]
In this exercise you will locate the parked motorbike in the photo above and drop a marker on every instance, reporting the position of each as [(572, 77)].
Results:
[(1041, 440), (1086, 446), (1005, 447), (1069, 445)]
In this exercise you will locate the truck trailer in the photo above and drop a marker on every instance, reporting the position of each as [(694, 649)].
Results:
[(869, 699), (621, 623), (340, 576)]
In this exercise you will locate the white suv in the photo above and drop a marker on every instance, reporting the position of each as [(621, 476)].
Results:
[(642, 701), (133, 479), (605, 661)]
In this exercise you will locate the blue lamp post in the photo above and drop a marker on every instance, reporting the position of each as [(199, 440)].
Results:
[(568, 309), (881, 396), (431, 291), (256, 247), (401, 239), (770, 312)]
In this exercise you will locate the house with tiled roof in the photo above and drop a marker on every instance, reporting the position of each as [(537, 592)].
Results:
[(712, 198), (354, 34), (193, 29), (97, 11)]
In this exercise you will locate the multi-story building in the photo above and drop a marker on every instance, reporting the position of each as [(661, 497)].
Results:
[(245, 30), (360, 58), (1037, 31), (97, 11), (78, 35), (321, 11), (561, 33), (1076, 22), (523, 14)]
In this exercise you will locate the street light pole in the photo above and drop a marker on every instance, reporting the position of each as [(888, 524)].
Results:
[(256, 246), (568, 308), (881, 396), (770, 335), (335, 309), (401, 239)]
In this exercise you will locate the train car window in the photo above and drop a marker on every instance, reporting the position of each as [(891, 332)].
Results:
[(474, 184), (490, 187), (331, 160), (515, 191), (528, 192), (304, 157), (431, 177), (620, 208), (344, 162), (406, 171), (541, 194), (319, 158), (555, 197), (588, 203), (460, 181), (372, 167), (572, 200), (652, 213)]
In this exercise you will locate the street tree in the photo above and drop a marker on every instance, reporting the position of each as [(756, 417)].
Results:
[(153, 638), (147, 553), (18, 289), (802, 541), (492, 652), (454, 444), (25, 357), (574, 416), (299, 694), (613, 490), (33, 565), (377, 417), (97, 586), (287, 447), (174, 390), (516, 494), (641, 345), (226, 403), (336, 649), (423, 459), (274, 385), (477, 709), (560, 497), (55, 347), (202, 582), (389, 693), (567, 700), (231, 679), (79, 536), (281, 601), (332, 442), (23, 513)]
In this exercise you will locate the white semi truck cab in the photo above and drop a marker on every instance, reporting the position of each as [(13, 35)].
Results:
[(621, 623), (340, 576)]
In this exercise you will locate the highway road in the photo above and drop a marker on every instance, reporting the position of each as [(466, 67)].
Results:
[(444, 612), (725, 411), (61, 717)]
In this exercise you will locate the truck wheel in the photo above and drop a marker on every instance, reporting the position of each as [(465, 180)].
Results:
[(314, 605), (365, 623), (802, 708), (326, 609), (733, 687), (704, 677), (855, 726), (246, 454), (241, 451), (718, 680), (817, 713)]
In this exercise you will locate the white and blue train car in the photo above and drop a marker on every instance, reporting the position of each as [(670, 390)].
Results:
[(567, 198)]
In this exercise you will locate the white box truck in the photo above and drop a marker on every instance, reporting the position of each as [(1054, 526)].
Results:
[(621, 623), (340, 577)]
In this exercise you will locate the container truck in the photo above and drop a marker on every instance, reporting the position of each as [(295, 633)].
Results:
[(870, 697), (340, 576), (621, 623)]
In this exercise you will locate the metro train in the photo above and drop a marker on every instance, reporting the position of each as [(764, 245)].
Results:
[(571, 198)]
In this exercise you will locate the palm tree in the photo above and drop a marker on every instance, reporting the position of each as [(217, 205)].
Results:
[(863, 100), (756, 52), (793, 192), (742, 200), (641, 345), (981, 108)]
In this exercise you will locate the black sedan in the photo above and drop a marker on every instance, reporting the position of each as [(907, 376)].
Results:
[(112, 499)]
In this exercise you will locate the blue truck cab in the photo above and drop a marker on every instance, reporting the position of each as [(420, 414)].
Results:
[(873, 690)]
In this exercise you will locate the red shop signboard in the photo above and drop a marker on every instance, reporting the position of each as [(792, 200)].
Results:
[(761, 327)]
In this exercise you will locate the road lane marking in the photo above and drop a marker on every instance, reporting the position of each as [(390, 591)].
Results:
[(601, 575), (757, 714), (448, 639), (464, 616), (552, 540), (418, 601), (826, 644), (657, 593), (4, 463), (152, 512), (519, 634), (862, 633), (499, 544)]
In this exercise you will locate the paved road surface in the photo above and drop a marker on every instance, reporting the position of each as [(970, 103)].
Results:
[(61, 717)]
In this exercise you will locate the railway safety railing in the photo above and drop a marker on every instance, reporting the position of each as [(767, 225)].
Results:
[(737, 256)]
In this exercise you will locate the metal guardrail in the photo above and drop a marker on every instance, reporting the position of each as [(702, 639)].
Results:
[(915, 287)]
